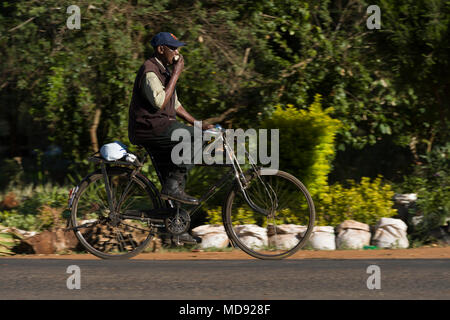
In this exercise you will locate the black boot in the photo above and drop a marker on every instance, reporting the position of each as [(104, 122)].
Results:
[(173, 189)]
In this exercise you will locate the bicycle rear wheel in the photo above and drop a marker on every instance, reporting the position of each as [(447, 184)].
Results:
[(284, 219), (107, 236)]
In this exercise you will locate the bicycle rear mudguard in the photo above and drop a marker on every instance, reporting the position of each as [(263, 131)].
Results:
[(98, 159)]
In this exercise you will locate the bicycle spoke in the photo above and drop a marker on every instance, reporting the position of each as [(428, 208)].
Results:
[(106, 207), (133, 199), (131, 241), (125, 193)]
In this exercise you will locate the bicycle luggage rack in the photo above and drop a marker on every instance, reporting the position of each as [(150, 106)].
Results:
[(100, 160)]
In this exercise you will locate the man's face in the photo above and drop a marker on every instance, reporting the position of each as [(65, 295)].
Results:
[(168, 53)]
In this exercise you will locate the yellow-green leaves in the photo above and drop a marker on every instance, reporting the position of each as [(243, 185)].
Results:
[(366, 202)]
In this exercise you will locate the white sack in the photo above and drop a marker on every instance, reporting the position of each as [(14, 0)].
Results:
[(252, 235), (212, 236), (323, 238), (214, 240), (391, 233), (352, 235)]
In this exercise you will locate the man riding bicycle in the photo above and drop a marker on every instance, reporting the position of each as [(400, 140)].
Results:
[(152, 115)]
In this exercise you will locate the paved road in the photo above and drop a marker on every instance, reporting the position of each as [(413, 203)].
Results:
[(225, 279)]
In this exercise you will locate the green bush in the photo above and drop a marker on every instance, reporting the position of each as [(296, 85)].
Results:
[(214, 216), (431, 183), (248, 216), (365, 202), (38, 207), (12, 218), (306, 145), (433, 206)]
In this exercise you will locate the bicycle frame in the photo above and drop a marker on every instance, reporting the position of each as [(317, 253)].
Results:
[(235, 173)]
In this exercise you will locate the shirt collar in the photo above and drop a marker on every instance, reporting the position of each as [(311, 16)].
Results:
[(161, 64)]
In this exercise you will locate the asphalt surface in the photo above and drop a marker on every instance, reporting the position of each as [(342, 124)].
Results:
[(23, 279)]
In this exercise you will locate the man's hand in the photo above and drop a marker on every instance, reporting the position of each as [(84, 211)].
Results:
[(179, 65), (206, 126)]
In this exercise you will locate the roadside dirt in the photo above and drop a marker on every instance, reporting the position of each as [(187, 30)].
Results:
[(415, 253)]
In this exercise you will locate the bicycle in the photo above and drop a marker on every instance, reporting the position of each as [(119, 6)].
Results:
[(116, 211)]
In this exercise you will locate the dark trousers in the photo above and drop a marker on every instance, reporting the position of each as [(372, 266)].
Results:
[(160, 147)]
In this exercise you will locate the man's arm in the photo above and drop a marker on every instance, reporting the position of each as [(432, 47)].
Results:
[(170, 88), (182, 113)]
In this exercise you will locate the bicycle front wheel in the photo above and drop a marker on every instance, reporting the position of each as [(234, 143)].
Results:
[(107, 236), (273, 218)]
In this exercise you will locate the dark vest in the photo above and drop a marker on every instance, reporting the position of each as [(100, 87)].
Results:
[(145, 120)]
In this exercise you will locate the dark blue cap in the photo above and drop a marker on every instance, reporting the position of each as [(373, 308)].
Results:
[(166, 39)]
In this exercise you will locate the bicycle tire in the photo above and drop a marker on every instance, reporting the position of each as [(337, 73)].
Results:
[(230, 217), (147, 188)]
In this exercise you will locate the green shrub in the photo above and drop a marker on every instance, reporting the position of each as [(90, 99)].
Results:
[(214, 216), (306, 145), (12, 218), (38, 207), (431, 183), (365, 202), (246, 216)]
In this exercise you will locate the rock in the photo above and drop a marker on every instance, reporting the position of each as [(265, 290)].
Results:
[(42, 243), (252, 235), (391, 233), (9, 201), (213, 236), (323, 238), (65, 240), (49, 242), (352, 235)]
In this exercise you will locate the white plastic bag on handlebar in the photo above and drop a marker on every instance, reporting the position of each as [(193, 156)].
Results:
[(113, 151)]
